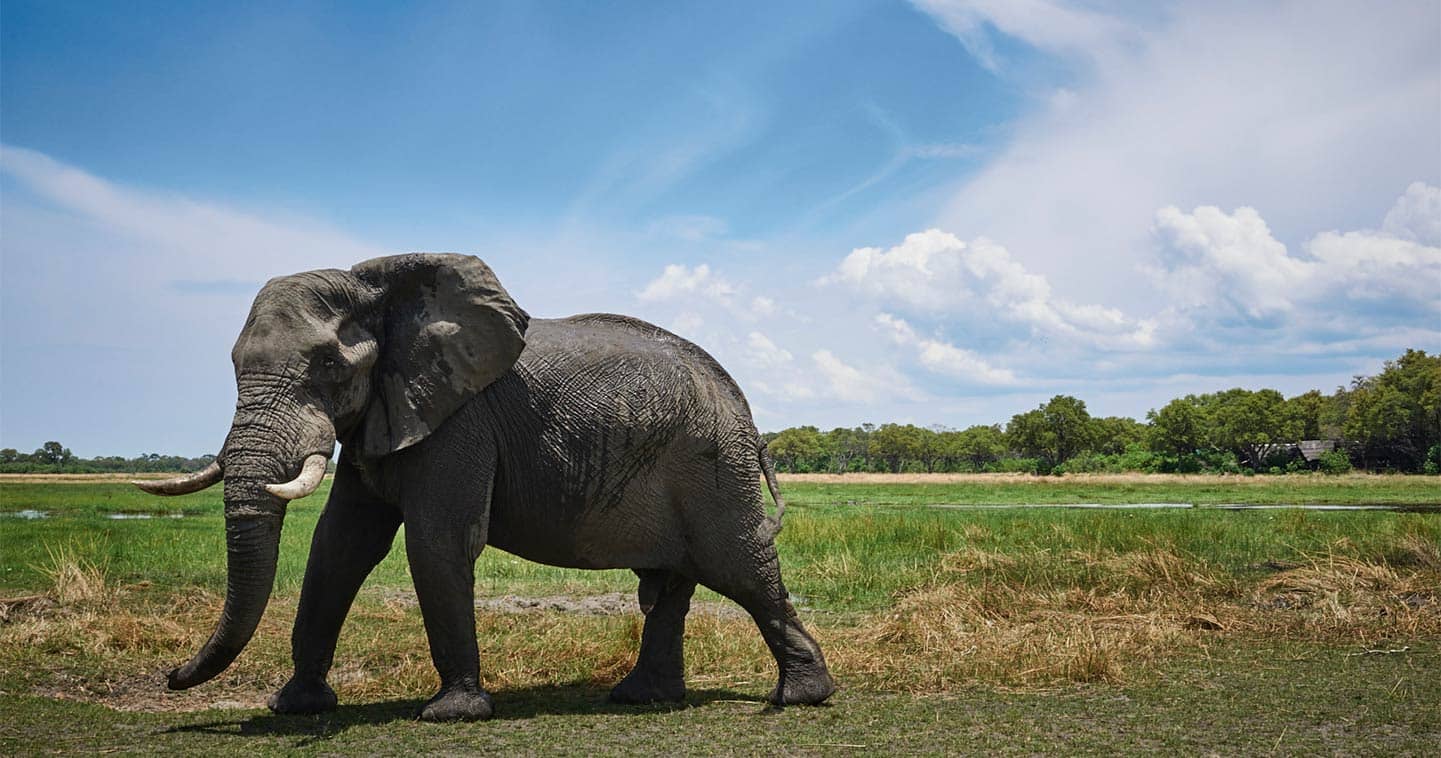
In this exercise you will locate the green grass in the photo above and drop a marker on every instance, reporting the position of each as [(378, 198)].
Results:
[(1260, 490), (1286, 699), (993, 630), (844, 547)]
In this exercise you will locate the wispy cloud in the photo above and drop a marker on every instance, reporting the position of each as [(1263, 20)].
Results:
[(200, 236), (160, 282), (1056, 27)]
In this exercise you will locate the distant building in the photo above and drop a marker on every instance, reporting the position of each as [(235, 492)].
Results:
[(1311, 450)]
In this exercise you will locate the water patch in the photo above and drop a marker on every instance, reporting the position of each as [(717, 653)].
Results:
[(131, 516), (28, 515), (1413, 508)]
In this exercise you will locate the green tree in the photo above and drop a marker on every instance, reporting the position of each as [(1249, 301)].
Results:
[(845, 449), (797, 449), (54, 453), (1253, 425), (1179, 428), (1113, 434), (1309, 408), (980, 445), (1394, 418), (896, 443), (1054, 432)]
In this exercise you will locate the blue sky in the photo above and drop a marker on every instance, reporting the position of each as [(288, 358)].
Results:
[(940, 212)]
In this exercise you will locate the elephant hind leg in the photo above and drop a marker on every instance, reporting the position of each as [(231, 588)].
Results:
[(659, 673), (750, 575)]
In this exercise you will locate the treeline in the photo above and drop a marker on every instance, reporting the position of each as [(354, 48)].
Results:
[(54, 458), (1387, 422)]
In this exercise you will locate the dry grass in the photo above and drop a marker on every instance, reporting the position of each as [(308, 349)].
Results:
[(74, 579), (984, 619)]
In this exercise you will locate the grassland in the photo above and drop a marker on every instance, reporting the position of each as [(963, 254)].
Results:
[(1020, 630)]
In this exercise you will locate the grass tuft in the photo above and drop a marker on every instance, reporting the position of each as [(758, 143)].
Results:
[(74, 579)]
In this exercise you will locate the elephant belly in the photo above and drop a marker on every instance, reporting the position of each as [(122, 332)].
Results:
[(633, 530)]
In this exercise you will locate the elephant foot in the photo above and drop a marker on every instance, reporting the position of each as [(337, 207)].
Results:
[(805, 687), (460, 703), (301, 696), (637, 688)]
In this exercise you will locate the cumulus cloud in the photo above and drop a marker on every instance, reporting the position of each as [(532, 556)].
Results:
[(942, 357), (1211, 255), (765, 353), (678, 280), (1214, 264), (852, 385), (936, 273), (1193, 104), (1416, 216), (774, 370)]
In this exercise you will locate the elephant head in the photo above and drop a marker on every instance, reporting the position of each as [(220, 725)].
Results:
[(375, 357)]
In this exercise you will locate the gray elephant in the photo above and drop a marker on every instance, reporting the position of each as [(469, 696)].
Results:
[(595, 441)]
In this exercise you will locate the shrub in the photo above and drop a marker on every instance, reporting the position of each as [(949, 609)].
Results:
[(1016, 466), (1334, 462)]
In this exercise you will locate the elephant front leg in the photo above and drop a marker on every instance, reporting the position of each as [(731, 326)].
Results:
[(354, 534), (443, 568)]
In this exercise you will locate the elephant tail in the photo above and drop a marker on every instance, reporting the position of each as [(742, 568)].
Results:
[(770, 472)]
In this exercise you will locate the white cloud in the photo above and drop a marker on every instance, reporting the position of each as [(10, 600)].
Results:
[(678, 280), (170, 277), (851, 385), (1056, 27), (1231, 258), (935, 273), (1416, 216), (687, 324), (774, 370), (199, 241), (1216, 264), (942, 357), (1199, 104), (765, 353)]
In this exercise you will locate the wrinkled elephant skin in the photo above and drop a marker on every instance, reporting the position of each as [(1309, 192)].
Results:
[(595, 441)]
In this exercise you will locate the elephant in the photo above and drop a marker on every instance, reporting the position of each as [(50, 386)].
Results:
[(593, 441)]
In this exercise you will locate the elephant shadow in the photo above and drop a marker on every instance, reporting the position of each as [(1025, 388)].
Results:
[(511, 705)]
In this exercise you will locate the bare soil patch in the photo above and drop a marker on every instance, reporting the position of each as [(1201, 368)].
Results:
[(605, 604)]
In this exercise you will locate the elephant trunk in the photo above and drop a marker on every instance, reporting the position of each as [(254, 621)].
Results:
[(252, 549), (256, 459)]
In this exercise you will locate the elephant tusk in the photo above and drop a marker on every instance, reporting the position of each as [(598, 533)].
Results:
[(306, 483), (182, 485)]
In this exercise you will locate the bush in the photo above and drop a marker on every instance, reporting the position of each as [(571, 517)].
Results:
[(1016, 466), (1086, 463), (1432, 465), (1334, 462)]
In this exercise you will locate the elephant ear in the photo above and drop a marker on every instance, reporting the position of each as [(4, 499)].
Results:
[(447, 330)]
